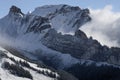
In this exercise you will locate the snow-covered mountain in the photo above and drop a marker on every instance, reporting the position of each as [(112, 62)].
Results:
[(27, 31), (44, 36)]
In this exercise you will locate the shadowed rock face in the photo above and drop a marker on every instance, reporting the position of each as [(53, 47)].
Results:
[(81, 47), (77, 45)]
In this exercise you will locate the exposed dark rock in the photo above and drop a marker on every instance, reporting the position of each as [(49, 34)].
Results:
[(15, 9), (80, 34), (38, 24)]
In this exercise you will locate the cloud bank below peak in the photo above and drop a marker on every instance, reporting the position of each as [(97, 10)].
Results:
[(104, 26)]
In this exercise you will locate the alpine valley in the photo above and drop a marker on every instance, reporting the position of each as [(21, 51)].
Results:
[(47, 44)]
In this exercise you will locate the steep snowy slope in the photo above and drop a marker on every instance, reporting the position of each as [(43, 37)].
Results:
[(64, 18), (10, 66)]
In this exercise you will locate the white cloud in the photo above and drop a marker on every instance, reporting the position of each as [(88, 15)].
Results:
[(105, 26)]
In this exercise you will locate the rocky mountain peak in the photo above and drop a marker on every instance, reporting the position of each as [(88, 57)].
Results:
[(15, 9)]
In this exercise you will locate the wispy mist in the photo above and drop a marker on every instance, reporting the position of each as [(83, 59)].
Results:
[(105, 26)]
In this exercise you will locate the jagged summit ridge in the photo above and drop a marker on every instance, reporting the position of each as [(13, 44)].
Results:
[(69, 18)]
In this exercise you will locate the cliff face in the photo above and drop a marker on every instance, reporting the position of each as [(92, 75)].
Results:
[(81, 47)]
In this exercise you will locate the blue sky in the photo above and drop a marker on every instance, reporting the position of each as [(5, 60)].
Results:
[(29, 5)]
